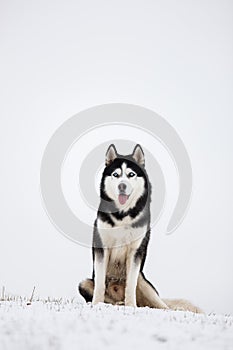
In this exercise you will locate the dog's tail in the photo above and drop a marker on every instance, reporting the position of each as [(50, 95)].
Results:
[(182, 305)]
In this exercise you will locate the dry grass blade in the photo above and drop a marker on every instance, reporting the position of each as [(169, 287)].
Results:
[(30, 300)]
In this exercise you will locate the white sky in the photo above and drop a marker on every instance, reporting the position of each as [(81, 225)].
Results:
[(60, 57)]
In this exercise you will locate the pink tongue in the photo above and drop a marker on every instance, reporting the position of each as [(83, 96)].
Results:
[(123, 198)]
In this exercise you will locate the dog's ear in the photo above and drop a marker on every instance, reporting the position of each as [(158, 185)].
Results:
[(138, 155), (111, 154)]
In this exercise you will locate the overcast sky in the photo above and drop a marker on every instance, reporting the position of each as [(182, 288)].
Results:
[(174, 57)]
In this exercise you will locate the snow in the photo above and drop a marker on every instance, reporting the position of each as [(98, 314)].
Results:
[(70, 324)]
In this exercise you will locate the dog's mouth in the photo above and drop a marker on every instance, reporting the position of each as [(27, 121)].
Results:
[(123, 198)]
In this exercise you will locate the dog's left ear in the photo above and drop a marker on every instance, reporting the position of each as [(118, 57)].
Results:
[(138, 155), (111, 154)]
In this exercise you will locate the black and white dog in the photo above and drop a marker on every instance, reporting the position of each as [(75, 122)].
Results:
[(121, 235)]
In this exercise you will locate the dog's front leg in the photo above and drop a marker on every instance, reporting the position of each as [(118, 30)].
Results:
[(100, 268), (132, 272)]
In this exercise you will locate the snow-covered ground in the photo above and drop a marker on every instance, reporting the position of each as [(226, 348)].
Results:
[(73, 325)]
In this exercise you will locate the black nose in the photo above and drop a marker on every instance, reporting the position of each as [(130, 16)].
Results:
[(122, 187)]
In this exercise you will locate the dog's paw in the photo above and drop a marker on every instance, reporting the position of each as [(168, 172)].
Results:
[(129, 302), (98, 296), (95, 302)]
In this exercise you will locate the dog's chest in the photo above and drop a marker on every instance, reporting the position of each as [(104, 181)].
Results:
[(121, 235), (121, 241)]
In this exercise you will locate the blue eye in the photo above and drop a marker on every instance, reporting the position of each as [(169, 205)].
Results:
[(131, 174), (115, 175)]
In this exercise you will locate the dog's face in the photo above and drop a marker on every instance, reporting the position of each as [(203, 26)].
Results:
[(124, 180)]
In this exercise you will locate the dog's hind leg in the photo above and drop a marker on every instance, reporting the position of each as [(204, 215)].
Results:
[(146, 294), (182, 305)]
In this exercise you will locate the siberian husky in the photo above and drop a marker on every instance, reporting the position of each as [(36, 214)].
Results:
[(121, 235)]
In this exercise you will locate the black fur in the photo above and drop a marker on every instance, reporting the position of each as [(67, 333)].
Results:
[(140, 254), (149, 283), (97, 245)]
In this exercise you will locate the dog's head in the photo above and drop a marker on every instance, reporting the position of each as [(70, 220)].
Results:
[(124, 178)]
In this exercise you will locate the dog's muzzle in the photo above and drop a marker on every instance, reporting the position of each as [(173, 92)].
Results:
[(122, 197)]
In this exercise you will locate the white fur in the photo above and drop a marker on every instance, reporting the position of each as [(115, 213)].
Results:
[(121, 244), (100, 275), (121, 235), (134, 187), (132, 271)]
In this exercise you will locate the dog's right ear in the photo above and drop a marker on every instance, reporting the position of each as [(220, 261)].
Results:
[(111, 154)]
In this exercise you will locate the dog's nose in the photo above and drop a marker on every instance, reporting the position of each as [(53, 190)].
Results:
[(122, 187)]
